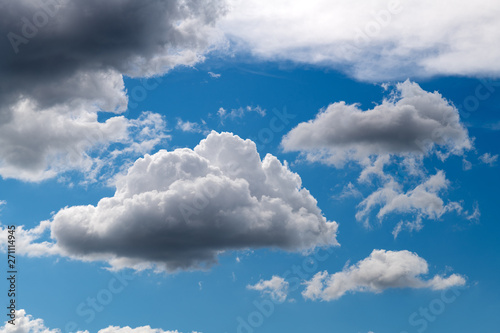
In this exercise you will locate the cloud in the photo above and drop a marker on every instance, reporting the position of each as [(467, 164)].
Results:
[(25, 323), (378, 41), (487, 158), (40, 144), (400, 133), (192, 127), (239, 112), (276, 287), (349, 191), (414, 122), (137, 40), (423, 199), (60, 68), (380, 271), (180, 209), (142, 329), (214, 75)]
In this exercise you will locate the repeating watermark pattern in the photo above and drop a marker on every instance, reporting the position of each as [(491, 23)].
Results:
[(30, 27), (482, 92), (140, 91), (277, 124), (421, 319), (89, 309), (264, 307), (365, 35)]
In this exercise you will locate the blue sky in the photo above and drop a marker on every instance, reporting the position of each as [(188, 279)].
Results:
[(223, 169)]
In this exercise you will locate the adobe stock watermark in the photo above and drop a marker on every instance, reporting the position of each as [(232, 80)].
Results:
[(380, 20), (277, 124), (140, 91), (93, 305), (30, 26), (421, 319), (264, 307), (482, 92)]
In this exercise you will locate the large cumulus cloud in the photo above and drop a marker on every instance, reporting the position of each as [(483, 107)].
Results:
[(179, 209), (379, 271)]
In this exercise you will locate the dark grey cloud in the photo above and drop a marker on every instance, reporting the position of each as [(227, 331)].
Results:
[(63, 61), (414, 121), (50, 41)]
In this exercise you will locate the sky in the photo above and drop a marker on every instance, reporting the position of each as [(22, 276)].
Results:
[(250, 166)]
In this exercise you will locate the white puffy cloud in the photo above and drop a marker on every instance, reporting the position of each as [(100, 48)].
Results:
[(40, 144), (414, 121), (25, 323), (276, 287), (379, 40), (381, 270), (179, 209)]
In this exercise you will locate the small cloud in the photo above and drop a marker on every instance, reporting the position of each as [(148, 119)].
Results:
[(466, 165), (494, 126), (221, 112), (187, 126), (476, 213), (276, 287), (349, 191), (239, 112), (214, 75), (489, 159)]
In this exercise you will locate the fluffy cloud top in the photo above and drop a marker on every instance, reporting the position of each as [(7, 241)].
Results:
[(276, 287), (25, 323), (381, 270), (379, 40), (179, 209), (413, 121)]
